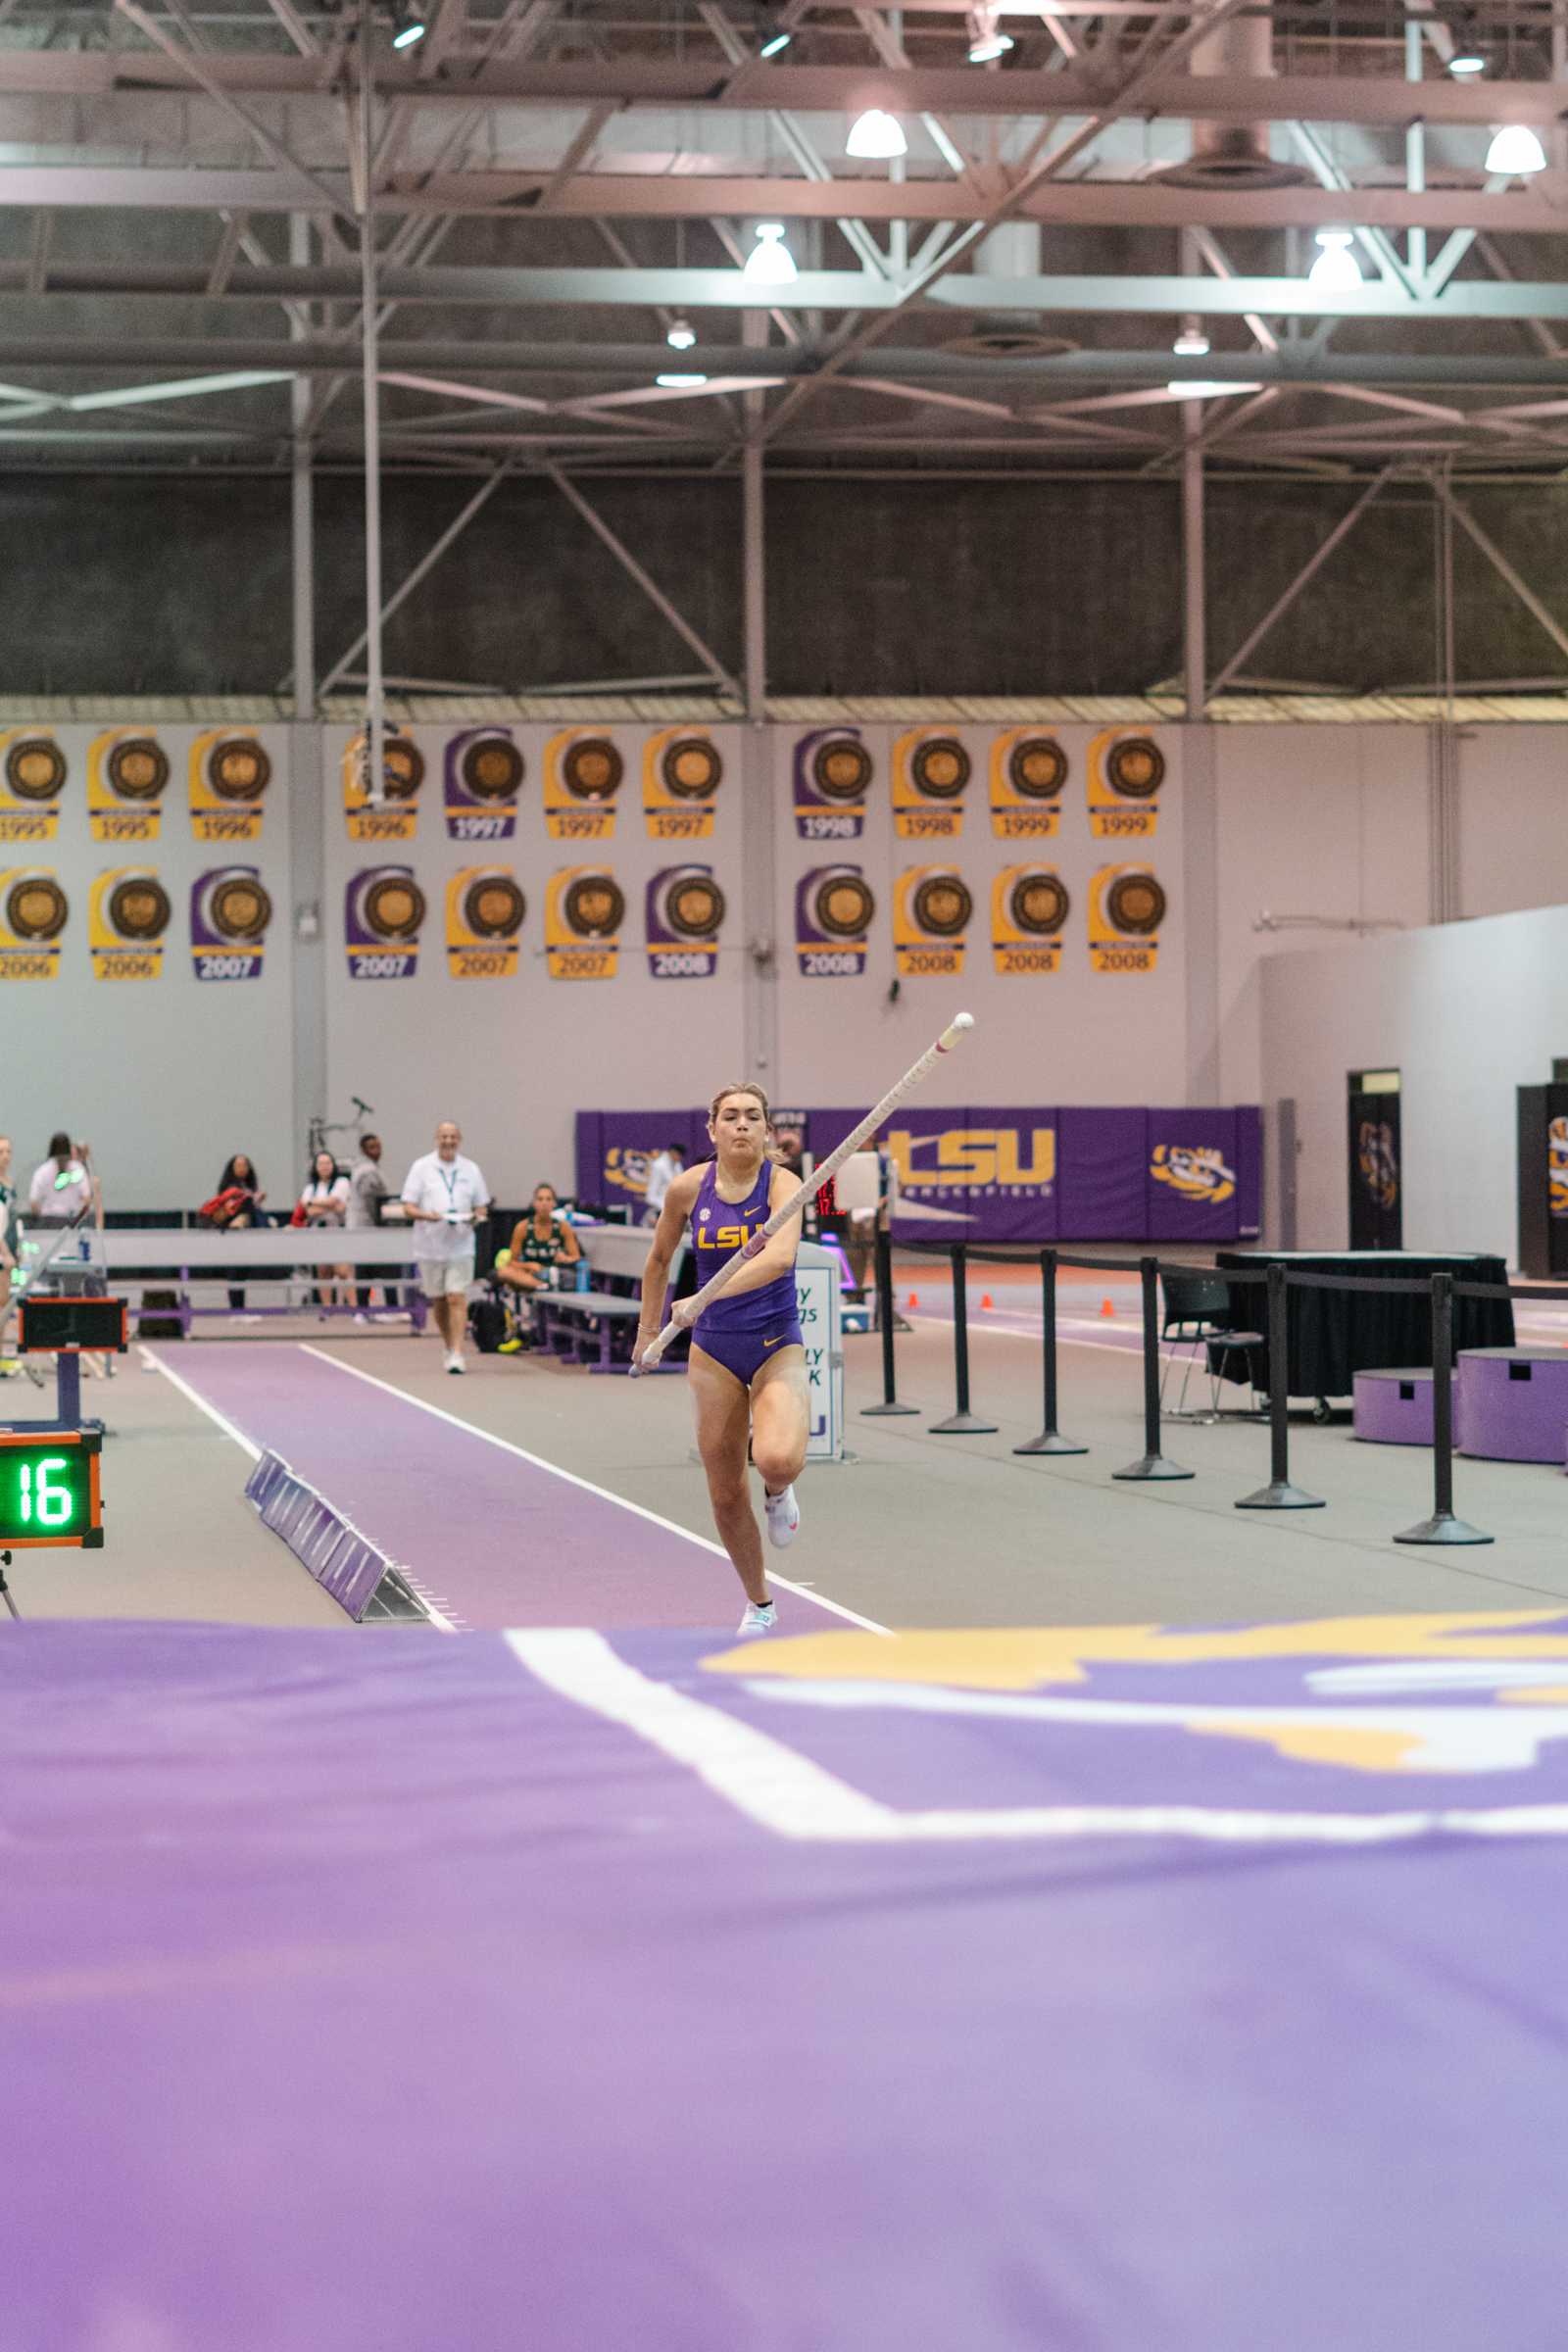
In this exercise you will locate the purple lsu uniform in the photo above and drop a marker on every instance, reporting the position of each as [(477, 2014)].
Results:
[(741, 1331)]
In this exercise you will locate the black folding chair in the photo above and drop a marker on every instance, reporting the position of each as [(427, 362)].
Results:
[(1197, 1313)]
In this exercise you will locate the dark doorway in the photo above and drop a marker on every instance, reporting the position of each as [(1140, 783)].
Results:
[(1376, 1164)]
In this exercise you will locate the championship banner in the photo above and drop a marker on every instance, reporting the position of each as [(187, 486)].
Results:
[(484, 914), (1029, 910), (1126, 770), (230, 912), (403, 772), (33, 777), (685, 913), (228, 776), (32, 914), (383, 914), (931, 910), (834, 911), (931, 770), (1028, 772), (482, 772), (1126, 907), (832, 771), (584, 910), (583, 771), (129, 910), (976, 1175), (127, 773), (682, 771), (1557, 1166)]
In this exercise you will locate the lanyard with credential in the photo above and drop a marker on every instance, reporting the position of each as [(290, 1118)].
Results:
[(451, 1183)]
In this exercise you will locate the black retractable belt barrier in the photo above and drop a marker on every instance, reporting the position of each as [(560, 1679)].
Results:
[(1442, 1527), (1050, 1438), (961, 1422), (885, 1316), (1153, 1463), (1278, 1494)]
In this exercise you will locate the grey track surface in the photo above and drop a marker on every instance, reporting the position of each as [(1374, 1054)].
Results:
[(921, 1530)]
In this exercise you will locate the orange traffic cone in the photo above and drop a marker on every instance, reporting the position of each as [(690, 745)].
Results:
[(1105, 1309), (986, 1300), (915, 1299)]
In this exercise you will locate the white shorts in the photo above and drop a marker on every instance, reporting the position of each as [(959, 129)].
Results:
[(446, 1277)]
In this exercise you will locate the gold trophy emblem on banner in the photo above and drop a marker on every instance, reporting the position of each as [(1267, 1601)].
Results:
[(1126, 770), (228, 776), (583, 772), (1029, 910), (1126, 907), (1028, 771), (931, 910), (31, 779), (128, 771), (931, 770), (584, 910), (128, 911), (682, 771), (484, 914), (33, 909), (397, 818)]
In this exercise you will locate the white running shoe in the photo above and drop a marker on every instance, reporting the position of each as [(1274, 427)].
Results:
[(758, 1619), (453, 1360), (783, 1514)]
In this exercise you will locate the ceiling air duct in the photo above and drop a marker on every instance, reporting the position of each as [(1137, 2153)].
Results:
[(1234, 155)]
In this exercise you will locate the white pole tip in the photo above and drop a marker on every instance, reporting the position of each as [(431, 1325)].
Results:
[(963, 1020)]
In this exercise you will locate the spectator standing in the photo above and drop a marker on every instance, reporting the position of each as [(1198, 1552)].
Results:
[(62, 1187), (662, 1169), (367, 1189), (326, 1202), (445, 1196)]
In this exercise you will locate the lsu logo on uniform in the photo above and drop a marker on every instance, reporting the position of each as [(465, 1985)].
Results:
[(724, 1237), (127, 773), (1197, 1171), (33, 777)]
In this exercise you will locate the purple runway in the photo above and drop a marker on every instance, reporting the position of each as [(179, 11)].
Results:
[(501, 1538), (413, 1992)]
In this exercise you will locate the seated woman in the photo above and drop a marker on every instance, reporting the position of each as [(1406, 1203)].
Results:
[(236, 1205), (541, 1243), (324, 1202)]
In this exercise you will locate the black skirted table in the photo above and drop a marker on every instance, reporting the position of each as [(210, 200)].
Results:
[(1335, 1333)]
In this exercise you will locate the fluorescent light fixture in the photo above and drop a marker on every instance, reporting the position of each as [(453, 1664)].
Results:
[(1467, 63), (780, 40), (876, 136), (1335, 269), (770, 262), (681, 334), (680, 383), (1515, 152), (410, 33), (989, 45), (1199, 387), (1192, 343)]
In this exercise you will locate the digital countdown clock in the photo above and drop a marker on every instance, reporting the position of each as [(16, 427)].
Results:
[(65, 1326), (49, 1491)]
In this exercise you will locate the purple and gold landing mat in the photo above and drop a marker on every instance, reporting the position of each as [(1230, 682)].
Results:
[(360, 1993)]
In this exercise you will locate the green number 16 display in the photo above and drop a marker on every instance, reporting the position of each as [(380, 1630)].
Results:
[(49, 1491)]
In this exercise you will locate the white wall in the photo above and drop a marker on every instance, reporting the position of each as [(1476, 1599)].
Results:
[(1513, 818)]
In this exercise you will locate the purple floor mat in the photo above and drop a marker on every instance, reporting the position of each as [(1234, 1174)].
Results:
[(505, 1541), (370, 1996)]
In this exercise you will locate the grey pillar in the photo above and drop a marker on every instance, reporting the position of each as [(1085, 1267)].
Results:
[(1200, 900), (302, 508), (758, 861), (310, 921), (1195, 648)]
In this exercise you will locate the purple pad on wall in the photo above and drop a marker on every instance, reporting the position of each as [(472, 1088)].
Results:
[(1192, 1178), (1249, 1171), (1103, 1191)]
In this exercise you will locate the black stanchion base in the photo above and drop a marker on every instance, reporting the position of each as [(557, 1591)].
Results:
[(1152, 1465), (1050, 1440), (1280, 1495), (962, 1425), (1443, 1528), (873, 1412)]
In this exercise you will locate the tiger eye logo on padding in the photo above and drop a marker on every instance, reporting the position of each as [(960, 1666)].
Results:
[(844, 907), (138, 768), (841, 770), (492, 768), (691, 769), (238, 769), (1038, 904), (694, 907), (592, 769), (35, 768), (1135, 767), (595, 905), (493, 907), (1037, 768), (394, 908), (139, 908), (240, 909), (943, 906), (37, 907), (1136, 903), (940, 768)]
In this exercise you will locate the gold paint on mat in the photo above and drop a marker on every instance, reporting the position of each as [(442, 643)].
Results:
[(238, 769), (1038, 904), (35, 768), (595, 905), (493, 907), (139, 908), (592, 769), (492, 768), (844, 907), (240, 909), (940, 768), (394, 906), (842, 769), (37, 907), (1135, 767), (138, 768), (691, 769), (694, 907), (1037, 768), (943, 906)]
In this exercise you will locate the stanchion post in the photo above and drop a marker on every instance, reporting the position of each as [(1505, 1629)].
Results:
[(886, 1317), (961, 1422), (1442, 1527), (1153, 1463), (1050, 1438), (1278, 1494)]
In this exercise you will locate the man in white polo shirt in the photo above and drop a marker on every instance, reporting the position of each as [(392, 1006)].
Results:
[(445, 1196)]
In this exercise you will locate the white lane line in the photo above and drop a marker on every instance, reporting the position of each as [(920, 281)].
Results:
[(537, 1462), (157, 1364), (1004, 1331)]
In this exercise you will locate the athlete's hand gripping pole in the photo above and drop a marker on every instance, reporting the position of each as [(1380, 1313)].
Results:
[(691, 1308)]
